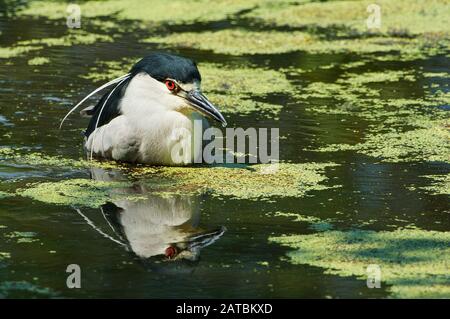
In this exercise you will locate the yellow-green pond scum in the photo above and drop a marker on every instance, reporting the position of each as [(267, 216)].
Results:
[(257, 182), (412, 28), (429, 142), (414, 263), (438, 185), (70, 39)]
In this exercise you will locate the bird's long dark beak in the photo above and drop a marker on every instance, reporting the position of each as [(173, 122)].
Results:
[(191, 246), (205, 238), (203, 105)]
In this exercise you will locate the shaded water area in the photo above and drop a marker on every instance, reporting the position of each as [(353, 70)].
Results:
[(374, 122)]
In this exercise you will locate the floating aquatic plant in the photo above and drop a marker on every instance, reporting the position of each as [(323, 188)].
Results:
[(427, 143), (14, 51), (237, 41), (242, 42), (444, 75), (22, 237), (440, 185), (235, 89), (4, 255), (4, 194), (76, 192), (262, 181), (38, 159), (159, 11), (38, 61), (257, 182), (403, 129), (316, 223), (401, 17), (243, 80), (358, 79), (414, 263), (104, 71), (242, 104), (72, 38)]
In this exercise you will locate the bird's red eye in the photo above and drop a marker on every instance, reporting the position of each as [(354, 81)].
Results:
[(170, 252), (170, 85)]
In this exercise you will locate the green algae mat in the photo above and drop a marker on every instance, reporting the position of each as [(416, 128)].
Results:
[(363, 176), (414, 263)]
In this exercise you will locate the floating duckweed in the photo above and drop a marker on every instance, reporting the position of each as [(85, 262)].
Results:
[(438, 98), (175, 11), (235, 89), (243, 79), (357, 79), (320, 90), (353, 95), (405, 49), (430, 143), (38, 61), (242, 105), (352, 65), (440, 185), (72, 38), (77, 192), (351, 87), (398, 17), (10, 52), (237, 41), (4, 194), (258, 182), (107, 70), (4, 255), (350, 102), (23, 237), (432, 39), (298, 217), (39, 159), (240, 42), (17, 234), (436, 75), (414, 262), (315, 222), (348, 93), (263, 263)]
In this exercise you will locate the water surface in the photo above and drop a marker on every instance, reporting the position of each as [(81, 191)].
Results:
[(120, 245)]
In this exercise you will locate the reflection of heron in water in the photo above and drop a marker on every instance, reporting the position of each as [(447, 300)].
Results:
[(156, 225)]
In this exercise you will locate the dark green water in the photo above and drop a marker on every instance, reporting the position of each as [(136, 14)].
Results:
[(34, 99)]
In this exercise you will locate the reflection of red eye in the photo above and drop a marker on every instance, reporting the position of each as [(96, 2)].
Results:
[(170, 252), (170, 85)]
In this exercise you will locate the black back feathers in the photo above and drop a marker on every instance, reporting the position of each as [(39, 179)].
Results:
[(111, 109), (161, 66)]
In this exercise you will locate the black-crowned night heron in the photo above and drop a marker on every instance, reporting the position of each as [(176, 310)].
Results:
[(148, 111)]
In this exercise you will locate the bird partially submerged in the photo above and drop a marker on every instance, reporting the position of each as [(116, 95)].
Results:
[(148, 111)]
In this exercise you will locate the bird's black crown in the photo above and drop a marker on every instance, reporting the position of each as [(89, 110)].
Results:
[(161, 66)]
